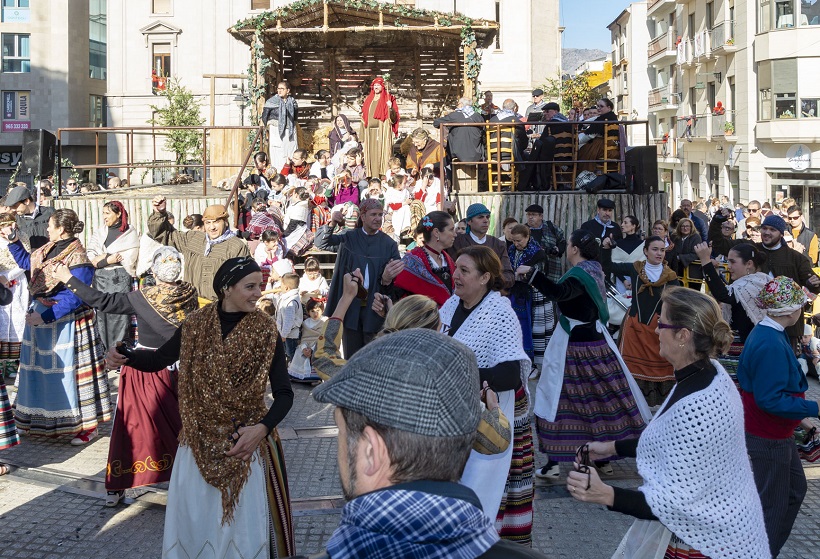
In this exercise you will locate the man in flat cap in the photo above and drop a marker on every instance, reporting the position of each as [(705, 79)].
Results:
[(204, 251), (407, 408), (603, 224), (32, 218)]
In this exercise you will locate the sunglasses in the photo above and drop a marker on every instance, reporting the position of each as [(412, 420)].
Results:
[(582, 458), (664, 326), (794, 217), (754, 211), (753, 228)]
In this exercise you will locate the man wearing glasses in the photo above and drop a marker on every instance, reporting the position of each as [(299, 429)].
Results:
[(753, 209), (802, 234)]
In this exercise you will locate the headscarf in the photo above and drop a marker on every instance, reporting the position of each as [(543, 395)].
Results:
[(382, 111), (166, 264), (366, 206), (335, 135), (781, 296), (474, 210), (123, 215), (232, 271)]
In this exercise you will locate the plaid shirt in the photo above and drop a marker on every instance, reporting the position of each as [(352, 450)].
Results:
[(551, 238)]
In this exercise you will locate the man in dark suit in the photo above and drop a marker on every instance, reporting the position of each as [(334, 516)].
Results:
[(464, 143)]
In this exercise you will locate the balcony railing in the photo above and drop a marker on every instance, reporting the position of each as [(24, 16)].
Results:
[(692, 126), (662, 96), (664, 42), (723, 35), (719, 124)]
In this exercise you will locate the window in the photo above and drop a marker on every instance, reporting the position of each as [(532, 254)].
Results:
[(163, 7), (710, 15), (777, 84), (693, 101), (498, 21), (160, 66), (16, 11), (260, 4), (97, 47), (810, 12), (691, 30), (808, 108), (15, 3), (711, 94), (16, 107), (16, 56), (96, 111), (781, 14)]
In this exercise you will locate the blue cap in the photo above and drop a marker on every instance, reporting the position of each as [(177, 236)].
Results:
[(776, 222), (476, 209)]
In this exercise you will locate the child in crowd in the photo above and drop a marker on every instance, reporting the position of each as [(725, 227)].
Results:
[(313, 284), (269, 250), (300, 368), (355, 164), (397, 202), (278, 270), (289, 314), (461, 227), (375, 189), (298, 211), (345, 190), (393, 168), (810, 355), (266, 306), (277, 194)]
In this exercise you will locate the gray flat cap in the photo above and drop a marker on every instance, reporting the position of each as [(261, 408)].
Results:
[(16, 195), (415, 380)]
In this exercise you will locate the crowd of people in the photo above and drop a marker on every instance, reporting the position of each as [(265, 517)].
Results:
[(426, 340)]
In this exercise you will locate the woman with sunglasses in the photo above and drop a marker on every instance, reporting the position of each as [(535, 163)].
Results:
[(585, 391), (639, 341), (698, 496)]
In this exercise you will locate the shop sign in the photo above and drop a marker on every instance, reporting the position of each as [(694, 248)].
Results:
[(10, 157), (799, 157), (16, 15), (16, 116)]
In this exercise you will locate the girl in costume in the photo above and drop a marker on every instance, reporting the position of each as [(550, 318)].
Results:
[(585, 391)]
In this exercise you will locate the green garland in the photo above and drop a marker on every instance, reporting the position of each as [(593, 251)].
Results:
[(264, 20)]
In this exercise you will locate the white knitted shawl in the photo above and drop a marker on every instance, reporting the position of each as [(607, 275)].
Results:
[(697, 476), (492, 331)]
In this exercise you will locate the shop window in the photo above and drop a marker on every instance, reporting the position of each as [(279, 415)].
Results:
[(16, 53)]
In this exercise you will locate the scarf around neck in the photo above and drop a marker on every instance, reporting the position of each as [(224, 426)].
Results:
[(172, 302), (665, 276), (745, 291), (607, 225), (468, 111), (523, 257), (411, 523), (209, 242)]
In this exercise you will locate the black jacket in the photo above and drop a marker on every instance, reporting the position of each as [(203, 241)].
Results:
[(465, 143), (36, 229)]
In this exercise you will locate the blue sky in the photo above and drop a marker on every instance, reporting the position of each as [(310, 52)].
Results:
[(586, 21)]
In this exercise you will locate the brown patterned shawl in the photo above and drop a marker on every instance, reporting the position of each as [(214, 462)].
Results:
[(221, 382), (43, 282), (172, 302)]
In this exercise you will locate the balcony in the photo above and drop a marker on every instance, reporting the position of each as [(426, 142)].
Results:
[(684, 54), (659, 8), (789, 131), (661, 99), (724, 125), (723, 38), (622, 54), (695, 127), (662, 49)]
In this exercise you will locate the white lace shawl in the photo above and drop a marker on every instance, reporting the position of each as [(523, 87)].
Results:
[(745, 291), (697, 476), (492, 331)]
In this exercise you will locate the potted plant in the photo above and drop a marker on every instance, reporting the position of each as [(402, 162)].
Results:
[(729, 128), (730, 41)]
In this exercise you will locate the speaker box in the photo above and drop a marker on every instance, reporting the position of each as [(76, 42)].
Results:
[(39, 148), (642, 169)]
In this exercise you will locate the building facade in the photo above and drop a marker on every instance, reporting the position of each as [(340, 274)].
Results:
[(53, 75), (733, 98), (630, 80), (189, 40)]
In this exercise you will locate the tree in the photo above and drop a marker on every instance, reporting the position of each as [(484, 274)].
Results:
[(571, 90), (182, 110)]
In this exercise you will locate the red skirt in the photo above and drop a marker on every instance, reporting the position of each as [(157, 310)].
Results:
[(146, 426)]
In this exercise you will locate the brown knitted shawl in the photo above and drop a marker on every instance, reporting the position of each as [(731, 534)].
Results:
[(43, 282), (221, 382)]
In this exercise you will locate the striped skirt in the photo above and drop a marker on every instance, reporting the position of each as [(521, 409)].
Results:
[(63, 388), (596, 403), (731, 359), (514, 520), (677, 549), (543, 324), (8, 431)]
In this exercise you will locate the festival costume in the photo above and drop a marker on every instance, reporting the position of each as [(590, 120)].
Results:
[(431, 154), (13, 315), (394, 201), (114, 277), (63, 388), (203, 256), (522, 296), (280, 116), (8, 430), (336, 135), (380, 125), (420, 277), (503, 482), (545, 313), (218, 503), (585, 392), (698, 482), (147, 423), (639, 343)]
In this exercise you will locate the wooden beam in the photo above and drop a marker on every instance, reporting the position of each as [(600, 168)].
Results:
[(363, 28), (469, 89), (334, 88), (417, 75), (213, 103)]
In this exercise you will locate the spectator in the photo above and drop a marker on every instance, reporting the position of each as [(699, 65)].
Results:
[(313, 284), (32, 218), (804, 236), (426, 152), (322, 168), (478, 223), (464, 143), (289, 314), (603, 225), (700, 224)]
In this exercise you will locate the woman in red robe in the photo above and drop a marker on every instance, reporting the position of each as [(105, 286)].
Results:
[(380, 125)]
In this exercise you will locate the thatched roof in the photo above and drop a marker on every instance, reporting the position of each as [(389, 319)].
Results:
[(362, 24)]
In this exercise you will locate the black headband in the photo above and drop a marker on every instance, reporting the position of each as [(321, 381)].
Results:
[(232, 271)]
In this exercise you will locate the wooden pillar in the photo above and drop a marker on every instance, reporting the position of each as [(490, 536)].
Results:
[(334, 86), (213, 100), (417, 62), (469, 85)]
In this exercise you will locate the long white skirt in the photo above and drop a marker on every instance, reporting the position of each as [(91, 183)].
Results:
[(193, 518), (486, 474), (280, 149)]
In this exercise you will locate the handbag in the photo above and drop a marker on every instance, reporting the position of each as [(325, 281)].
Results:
[(645, 539)]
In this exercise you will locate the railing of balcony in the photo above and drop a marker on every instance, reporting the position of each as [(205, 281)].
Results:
[(662, 96), (692, 126), (723, 34), (723, 124), (662, 43)]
